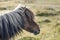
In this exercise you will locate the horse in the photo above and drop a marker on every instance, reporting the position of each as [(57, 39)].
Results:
[(13, 22)]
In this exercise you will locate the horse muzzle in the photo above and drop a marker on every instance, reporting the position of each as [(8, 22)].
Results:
[(36, 32)]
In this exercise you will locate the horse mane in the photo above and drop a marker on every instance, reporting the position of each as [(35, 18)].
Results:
[(12, 22)]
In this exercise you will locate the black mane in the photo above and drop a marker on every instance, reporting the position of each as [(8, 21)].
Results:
[(11, 23)]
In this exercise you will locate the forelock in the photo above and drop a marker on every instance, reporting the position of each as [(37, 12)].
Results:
[(29, 13)]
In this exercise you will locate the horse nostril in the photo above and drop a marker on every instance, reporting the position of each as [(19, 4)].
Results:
[(36, 32)]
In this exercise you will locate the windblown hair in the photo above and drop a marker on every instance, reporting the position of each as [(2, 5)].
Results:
[(11, 23)]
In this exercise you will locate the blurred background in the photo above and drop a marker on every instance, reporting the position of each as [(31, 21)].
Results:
[(47, 16)]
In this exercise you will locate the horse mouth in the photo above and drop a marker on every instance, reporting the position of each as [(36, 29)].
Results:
[(36, 32)]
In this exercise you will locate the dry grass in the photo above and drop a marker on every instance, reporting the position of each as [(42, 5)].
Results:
[(49, 21)]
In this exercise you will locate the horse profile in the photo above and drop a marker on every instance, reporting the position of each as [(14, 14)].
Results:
[(13, 22)]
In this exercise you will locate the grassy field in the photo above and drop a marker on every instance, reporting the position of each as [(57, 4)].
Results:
[(47, 15)]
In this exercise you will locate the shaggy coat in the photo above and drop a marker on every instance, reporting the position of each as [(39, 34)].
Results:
[(11, 23)]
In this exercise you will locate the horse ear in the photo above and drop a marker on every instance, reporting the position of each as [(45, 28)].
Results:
[(24, 8), (29, 13)]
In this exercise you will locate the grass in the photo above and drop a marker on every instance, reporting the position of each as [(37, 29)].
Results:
[(28, 38), (47, 18), (46, 14)]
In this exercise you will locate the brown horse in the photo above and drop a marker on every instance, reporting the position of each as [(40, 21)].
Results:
[(30, 24), (15, 21)]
